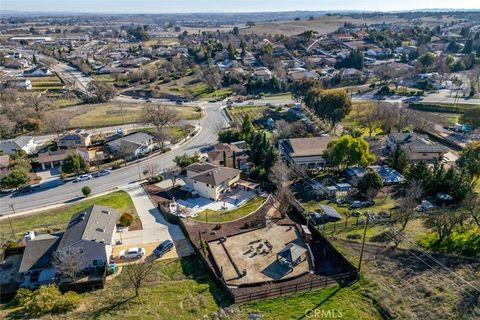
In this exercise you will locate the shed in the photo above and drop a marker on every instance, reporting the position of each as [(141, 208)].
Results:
[(292, 255)]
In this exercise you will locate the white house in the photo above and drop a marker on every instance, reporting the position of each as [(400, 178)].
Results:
[(210, 181), (24, 143), (305, 153), (133, 146)]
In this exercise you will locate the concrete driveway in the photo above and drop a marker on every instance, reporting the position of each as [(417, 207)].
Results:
[(155, 228)]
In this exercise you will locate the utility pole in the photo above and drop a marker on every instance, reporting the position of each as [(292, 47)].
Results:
[(363, 244), (10, 221)]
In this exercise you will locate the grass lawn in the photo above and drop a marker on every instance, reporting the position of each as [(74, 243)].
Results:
[(112, 114), (66, 102), (176, 133), (465, 242), (182, 289), (225, 216), (176, 289), (237, 114), (57, 219), (343, 302)]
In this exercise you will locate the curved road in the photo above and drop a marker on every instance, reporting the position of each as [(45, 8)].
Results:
[(69, 191)]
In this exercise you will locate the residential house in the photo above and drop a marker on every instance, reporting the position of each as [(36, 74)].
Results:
[(37, 72), (389, 175), (350, 74), (230, 153), (89, 234), (343, 37), (24, 143), (133, 146), (53, 158), (211, 181), (94, 154), (417, 147), (262, 74), (23, 84), (74, 139), (305, 153)]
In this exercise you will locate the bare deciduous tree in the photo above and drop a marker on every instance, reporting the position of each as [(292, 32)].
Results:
[(55, 122), (160, 117), (68, 262), (471, 204), (151, 169), (172, 174), (138, 274), (407, 204), (212, 76), (282, 176)]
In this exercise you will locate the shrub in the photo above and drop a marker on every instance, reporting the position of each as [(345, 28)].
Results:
[(86, 191), (117, 164), (354, 236), (42, 301), (22, 297), (126, 219), (203, 244), (155, 179), (166, 149), (68, 302)]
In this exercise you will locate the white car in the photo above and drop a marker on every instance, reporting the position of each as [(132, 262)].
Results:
[(103, 173), (132, 253), (83, 177)]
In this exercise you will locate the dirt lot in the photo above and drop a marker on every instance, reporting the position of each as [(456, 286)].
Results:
[(260, 267), (407, 284)]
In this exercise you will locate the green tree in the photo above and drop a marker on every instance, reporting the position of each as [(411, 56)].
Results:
[(14, 179), (74, 163), (370, 183), (18, 154), (398, 160), (470, 160), (232, 52), (348, 151), (427, 60), (185, 160), (247, 129), (47, 299), (329, 105), (86, 191)]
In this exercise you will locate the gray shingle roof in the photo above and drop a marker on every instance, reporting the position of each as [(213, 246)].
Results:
[(38, 252), (96, 223), (216, 176), (292, 252)]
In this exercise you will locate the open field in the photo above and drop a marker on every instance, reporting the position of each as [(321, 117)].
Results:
[(46, 83), (225, 216), (57, 219), (237, 114), (404, 287), (322, 25), (326, 24), (182, 289), (111, 114)]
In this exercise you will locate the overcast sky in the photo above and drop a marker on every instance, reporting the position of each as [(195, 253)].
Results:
[(184, 6)]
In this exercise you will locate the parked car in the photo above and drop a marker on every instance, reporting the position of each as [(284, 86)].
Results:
[(25, 190), (132, 253), (162, 248), (103, 173), (83, 177)]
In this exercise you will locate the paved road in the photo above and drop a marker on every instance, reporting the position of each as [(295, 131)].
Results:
[(59, 194)]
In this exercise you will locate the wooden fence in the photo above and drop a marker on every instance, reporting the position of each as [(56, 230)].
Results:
[(293, 288)]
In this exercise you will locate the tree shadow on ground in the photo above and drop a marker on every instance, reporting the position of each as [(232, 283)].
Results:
[(110, 307), (305, 315), (194, 269)]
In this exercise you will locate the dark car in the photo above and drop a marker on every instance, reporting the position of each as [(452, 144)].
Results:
[(162, 248), (25, 190)]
